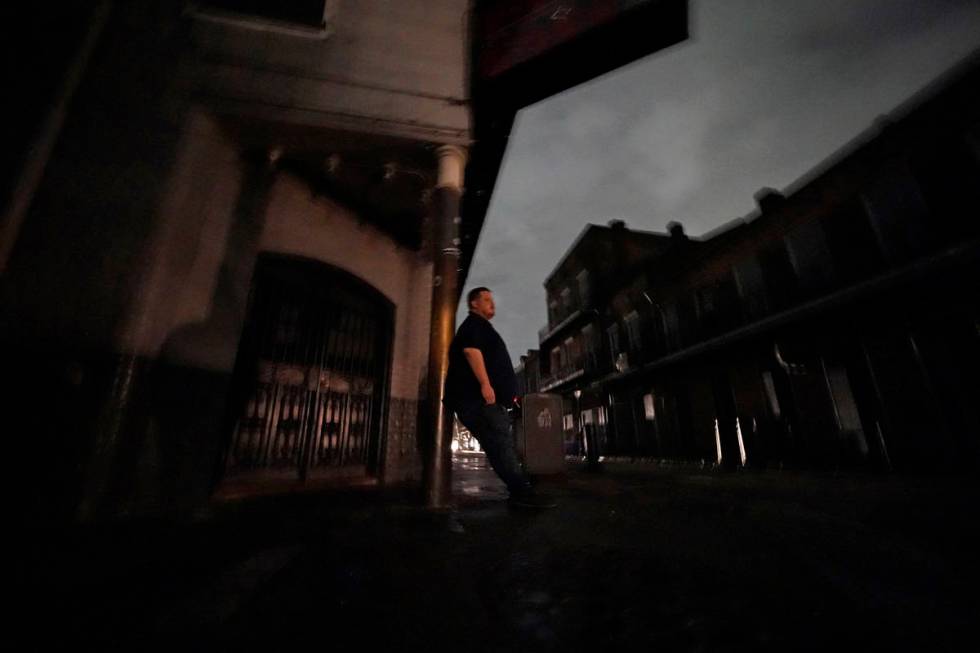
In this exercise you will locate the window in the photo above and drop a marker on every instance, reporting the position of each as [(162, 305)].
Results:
[(657, 327), (612, 333), (553, 312), (806, 246), (770, 385), (972, 139), (589, 346), (705, 305), (897, 211), (632, 323), (566, 301), (574, 354), (648, 411), (556, 360), (751, 288), (584, 287), (672, 324), (717, 306), (947, 174), (851, 242), (779, 275), (687, 319)]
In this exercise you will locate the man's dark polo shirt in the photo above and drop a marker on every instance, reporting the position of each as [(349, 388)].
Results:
[(462, 386)]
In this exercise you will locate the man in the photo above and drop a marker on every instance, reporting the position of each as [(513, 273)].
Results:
[(481, 388)]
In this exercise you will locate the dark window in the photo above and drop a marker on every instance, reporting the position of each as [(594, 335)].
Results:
[(948, 177), (566, 302), (672, 324), (897, 211), (779, 275), (553, 313), (806, 245), (555, 360), (852, 243), (574, 349), (301, 12), (633, 336), (589, 345), (751, 288), (718, 307), (707, 314), (613, 334), (687, 315), (584, 287), (657, 321)]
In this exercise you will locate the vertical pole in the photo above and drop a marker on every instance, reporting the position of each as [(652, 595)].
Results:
[(437, 463)]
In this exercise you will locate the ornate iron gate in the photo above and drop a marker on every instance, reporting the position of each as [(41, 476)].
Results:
[(312, 373)]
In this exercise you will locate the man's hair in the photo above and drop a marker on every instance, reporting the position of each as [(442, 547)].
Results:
[(472, 295)]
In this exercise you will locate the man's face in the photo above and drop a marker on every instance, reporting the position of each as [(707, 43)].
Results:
[(483, 305)]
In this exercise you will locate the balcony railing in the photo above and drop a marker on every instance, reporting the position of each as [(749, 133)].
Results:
[(548, 331), (577, 302), (587, 364), (564, 375)]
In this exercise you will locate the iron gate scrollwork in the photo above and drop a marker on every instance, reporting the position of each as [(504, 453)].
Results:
[(312, 373)]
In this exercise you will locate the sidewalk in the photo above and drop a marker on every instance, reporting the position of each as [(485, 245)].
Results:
[(634, 558)]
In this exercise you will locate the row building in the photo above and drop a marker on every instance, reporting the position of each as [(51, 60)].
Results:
[(836, 326)]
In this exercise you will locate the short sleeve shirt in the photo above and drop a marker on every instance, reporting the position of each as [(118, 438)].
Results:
[(462, 387)]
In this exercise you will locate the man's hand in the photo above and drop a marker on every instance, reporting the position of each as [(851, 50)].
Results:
[(489, 395)]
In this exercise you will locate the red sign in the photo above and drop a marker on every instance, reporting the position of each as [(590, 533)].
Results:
[(517, 31), (521, 44)]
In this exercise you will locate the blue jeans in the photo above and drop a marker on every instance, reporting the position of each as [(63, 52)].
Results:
[(492, 427)]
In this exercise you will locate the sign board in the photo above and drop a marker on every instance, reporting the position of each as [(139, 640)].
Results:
[(540, 47)]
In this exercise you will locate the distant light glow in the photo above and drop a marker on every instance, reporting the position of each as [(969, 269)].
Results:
[(648, 410), (741, 444), (718, 441)]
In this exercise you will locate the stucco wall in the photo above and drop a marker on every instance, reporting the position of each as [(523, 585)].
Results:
[(388, 67), (190, 311), (301, 224), (187, 248), (315, 227)]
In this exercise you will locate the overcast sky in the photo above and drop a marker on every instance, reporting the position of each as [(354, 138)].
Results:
[(761, 93)]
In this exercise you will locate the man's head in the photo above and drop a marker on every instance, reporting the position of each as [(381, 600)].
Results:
[(480, 301)]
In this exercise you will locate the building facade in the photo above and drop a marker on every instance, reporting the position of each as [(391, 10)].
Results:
[(234, 232), (223, 276), (835, 327)]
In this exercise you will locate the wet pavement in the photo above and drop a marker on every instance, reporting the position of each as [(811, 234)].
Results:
[(637, 557)]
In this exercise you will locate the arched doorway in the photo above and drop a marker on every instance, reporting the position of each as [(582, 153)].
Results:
[(311, 380)]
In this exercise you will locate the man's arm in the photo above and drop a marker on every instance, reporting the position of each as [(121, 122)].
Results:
[(475, 358)]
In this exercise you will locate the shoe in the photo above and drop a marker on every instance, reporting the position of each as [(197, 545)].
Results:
[(532, 501)]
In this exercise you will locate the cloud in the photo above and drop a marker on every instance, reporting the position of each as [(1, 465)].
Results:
[(762, 92)]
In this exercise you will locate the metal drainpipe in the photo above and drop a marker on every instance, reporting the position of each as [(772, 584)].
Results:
[(437, 462)]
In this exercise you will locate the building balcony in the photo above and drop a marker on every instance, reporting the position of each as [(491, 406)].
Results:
[(585, 366), (561, 377), (546, 333), (554, 329), (573, 305)]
